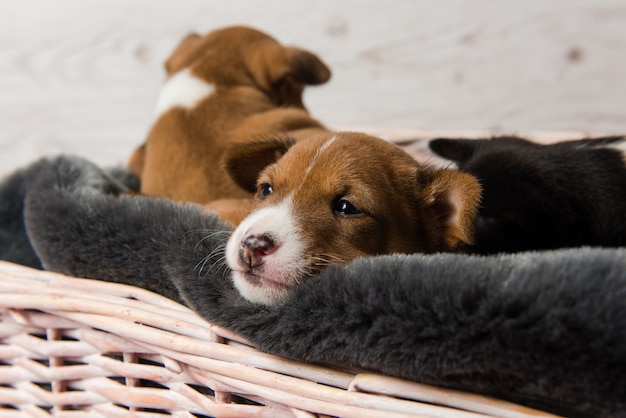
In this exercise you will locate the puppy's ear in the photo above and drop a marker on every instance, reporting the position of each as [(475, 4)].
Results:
[(459, 150), (287, 70), (450, 201), (244, 162), (182, 55), (306, 67)]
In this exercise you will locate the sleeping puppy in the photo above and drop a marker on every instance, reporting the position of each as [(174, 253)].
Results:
[(536, 196), (333, 197), (226, 87)]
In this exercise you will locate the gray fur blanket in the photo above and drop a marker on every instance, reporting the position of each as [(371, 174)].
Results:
[(544, 329)]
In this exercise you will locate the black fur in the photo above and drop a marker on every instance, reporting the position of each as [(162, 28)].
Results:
[(543, 329), (536, 196)]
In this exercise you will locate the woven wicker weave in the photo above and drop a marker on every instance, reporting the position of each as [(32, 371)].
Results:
[(82, 348)]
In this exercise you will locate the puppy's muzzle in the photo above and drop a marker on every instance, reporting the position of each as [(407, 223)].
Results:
[(254, 249)]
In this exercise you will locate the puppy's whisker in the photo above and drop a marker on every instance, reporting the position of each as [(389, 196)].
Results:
[(213, 254), (217, 257), (215, 267), (312, 270), (218, 250), (205, 231), (201, 265), (225, 235), (330, 258), (305, 273), (320, 261), (217, 245), (220, 267)]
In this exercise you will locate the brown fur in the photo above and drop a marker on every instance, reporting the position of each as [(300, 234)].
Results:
[(332, 197), (258, 92), (407, 207)]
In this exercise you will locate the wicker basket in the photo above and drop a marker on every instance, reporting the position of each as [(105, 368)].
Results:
[(83, 348)]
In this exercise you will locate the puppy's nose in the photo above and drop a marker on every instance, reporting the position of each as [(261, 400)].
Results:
[(254, 248)]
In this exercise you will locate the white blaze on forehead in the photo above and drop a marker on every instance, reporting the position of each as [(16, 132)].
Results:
[(182, 89), (284, 265), (319, 152)]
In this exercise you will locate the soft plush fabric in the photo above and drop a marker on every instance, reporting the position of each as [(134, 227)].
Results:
[(14, 243), (545, 329)]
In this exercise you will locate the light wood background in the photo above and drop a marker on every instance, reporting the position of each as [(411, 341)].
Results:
[(82, 76)]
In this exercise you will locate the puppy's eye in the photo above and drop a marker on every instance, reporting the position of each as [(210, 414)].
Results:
[(265, 190), (344, 207)]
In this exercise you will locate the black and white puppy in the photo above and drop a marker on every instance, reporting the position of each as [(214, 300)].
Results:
[(536, 196)]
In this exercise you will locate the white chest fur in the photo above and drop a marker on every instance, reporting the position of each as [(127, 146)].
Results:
[(182, 89)]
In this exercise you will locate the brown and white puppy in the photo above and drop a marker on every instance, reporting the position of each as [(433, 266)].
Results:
[(230, 86), (336, 196)]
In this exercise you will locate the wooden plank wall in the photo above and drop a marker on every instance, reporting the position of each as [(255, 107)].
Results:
[(82, 76)]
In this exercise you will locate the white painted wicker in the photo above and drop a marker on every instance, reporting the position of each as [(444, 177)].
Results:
[(74, 347)]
